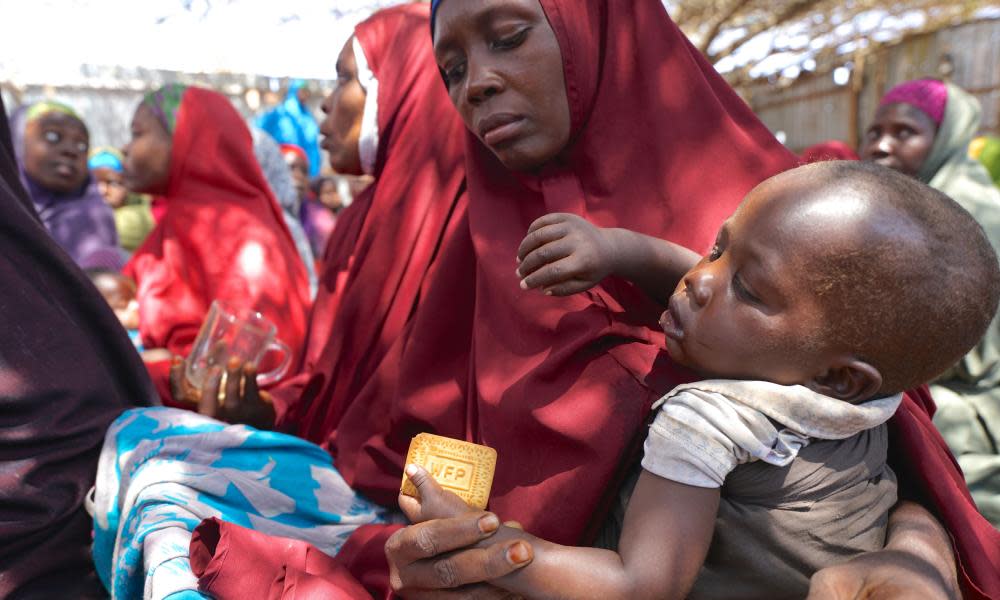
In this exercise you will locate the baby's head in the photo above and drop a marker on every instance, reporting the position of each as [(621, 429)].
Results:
[(849, 278), (119, 292)]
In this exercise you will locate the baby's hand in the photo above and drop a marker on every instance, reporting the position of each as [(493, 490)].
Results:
[(564, 254), (434, 502)]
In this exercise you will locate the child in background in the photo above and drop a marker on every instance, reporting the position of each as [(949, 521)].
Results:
[(51, 143), (832, 289), (316, 220), (133, 216), (119, 291)]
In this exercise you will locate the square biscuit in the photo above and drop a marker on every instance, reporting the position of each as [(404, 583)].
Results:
[(461, 467)]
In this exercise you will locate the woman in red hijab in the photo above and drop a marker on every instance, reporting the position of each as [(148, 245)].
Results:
[(222, 237), (558, 385), (601, 125), (407, 136)]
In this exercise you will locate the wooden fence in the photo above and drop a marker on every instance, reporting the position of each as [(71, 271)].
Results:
[(814, 108)]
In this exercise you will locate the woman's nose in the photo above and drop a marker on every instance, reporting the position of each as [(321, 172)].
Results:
[(483, 84), (885, 145), (698, 283)]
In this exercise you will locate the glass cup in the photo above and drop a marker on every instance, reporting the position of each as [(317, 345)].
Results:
[(230, 332)]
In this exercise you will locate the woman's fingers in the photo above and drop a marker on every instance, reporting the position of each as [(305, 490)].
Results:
[(426, 540), (539, 238), (177, 387), (426, 486), (474, 565), (208, 403), (234, 378)]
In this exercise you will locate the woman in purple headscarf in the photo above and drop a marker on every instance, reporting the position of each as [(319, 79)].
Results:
[(51, 142)]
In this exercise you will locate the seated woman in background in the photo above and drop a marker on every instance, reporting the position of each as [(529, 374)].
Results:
[(317, 221), (285, 190), (51, 143), (133, 216), (67, 370), (923, 128), (222, 237)]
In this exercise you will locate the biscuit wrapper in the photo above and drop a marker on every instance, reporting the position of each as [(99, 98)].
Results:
[(461, 467)]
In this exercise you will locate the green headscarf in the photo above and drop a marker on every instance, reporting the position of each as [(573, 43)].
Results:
[(949, 169), (165, 102), (45, 107), (968, 395)]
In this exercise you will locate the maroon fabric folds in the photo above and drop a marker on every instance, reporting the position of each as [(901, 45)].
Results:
[(221, 237), (384, 242), (67, 370), (233, 562)]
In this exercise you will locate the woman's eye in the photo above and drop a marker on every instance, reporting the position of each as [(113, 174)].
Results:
[(52, 137), (453, 74), (742, 292), (511, 41), (714, 253), (81, 147), (905, 133)]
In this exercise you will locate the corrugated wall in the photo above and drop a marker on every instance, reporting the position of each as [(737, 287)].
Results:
[(813, 108)]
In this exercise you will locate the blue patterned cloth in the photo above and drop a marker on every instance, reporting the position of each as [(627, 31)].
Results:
[(163, 470)]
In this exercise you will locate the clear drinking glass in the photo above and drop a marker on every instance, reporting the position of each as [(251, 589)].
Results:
[(229, 332)]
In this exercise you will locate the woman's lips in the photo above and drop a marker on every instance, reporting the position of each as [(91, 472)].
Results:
[(499, 129), (64, 170)]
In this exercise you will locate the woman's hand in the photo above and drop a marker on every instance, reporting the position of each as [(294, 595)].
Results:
[(448, 554), (434, 502), (916, 563), (564, 254), (451, 555), (231, 395)]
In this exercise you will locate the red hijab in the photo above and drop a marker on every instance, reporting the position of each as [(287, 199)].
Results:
[(385, 241), (562, 386), (222, 236)]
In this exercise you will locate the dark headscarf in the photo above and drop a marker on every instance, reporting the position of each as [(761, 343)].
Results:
[(67, 369), (81, 222)]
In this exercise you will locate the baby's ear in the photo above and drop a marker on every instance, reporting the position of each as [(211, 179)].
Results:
[(848, 379)]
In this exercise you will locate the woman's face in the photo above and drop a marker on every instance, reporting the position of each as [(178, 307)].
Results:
[(55, 152), (900, 137), (147, 155), (503, 68), (344, 108)]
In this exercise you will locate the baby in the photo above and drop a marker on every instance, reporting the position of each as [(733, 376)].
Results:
[(832, 289), (119, 292)]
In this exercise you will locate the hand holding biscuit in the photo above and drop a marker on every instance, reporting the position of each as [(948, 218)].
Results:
[(432, 500)]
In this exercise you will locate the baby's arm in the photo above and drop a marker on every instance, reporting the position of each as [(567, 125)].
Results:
[(668, 528), (565, 254)]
